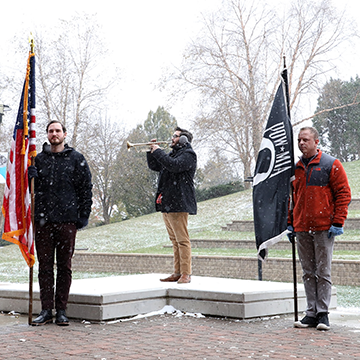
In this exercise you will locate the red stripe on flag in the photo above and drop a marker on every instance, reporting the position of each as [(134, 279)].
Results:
[(18, 227)]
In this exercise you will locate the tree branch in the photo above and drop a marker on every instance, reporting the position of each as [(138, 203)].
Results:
[(328, 110)]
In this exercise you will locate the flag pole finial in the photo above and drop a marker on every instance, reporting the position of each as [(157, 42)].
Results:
[(31, 42)]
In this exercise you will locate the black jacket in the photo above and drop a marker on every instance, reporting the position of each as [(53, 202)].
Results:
[(62, 187), (176, 179)]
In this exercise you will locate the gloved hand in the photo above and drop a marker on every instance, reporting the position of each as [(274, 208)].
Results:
[(291, 235), (335, 231), (32, 172), (82, 222)]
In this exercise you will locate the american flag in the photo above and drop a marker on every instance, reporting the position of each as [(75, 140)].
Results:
[(16, 208)]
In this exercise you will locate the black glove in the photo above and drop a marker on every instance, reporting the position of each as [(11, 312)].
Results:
[(81, 223), (32, 172)]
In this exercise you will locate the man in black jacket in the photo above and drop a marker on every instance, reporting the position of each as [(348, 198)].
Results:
[(175, 197), (63, 198)]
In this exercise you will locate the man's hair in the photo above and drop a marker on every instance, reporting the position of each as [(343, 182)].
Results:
[(188, 134), (312, 130), (56, 121)]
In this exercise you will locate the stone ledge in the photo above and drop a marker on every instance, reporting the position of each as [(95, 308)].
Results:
[(117, 297)]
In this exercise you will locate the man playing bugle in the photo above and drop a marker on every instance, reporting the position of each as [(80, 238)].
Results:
[(175, 197)]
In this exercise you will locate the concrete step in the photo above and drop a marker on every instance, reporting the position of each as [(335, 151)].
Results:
[(240, 225), (355, 204), (248, 225), (352, 224), (250, 244), (102, 299)]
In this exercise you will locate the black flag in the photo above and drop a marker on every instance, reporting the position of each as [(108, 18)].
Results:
[(273, 172)]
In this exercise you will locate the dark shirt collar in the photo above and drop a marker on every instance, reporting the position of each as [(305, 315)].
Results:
[(306, 161)]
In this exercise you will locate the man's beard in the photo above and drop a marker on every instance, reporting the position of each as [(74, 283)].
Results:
[(176, 146), (56, 141)]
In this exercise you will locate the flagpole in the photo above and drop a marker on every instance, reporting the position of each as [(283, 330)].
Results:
[(31, 269), (292, 237)]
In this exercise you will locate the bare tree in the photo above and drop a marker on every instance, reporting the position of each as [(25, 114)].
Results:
[(236, 63), (217, 171), (70, 74), (105, 140)]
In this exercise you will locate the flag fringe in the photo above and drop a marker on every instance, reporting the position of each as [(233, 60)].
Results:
[(270, 242), (10, 236)]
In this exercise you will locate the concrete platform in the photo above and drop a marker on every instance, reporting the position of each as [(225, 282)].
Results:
[(117, 297)]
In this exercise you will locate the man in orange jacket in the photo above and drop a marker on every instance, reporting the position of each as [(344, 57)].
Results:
[(321, 195)]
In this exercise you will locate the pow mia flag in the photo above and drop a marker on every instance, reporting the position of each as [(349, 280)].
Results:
[(273, 172)]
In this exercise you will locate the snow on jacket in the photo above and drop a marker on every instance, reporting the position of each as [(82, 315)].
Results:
[(321, 194), (62, 187), (176, 179)]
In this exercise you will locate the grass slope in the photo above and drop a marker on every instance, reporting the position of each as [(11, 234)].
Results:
[(149, 231), (148, 234)]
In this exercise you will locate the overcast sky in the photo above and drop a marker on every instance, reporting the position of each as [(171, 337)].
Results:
[(144, 36)]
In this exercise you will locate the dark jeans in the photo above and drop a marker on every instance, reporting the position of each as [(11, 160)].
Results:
[(51, 239)]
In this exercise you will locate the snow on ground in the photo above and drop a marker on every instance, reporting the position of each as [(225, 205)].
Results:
[(167, 309)]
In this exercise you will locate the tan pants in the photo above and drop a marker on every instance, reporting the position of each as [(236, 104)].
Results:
[(176, 226)]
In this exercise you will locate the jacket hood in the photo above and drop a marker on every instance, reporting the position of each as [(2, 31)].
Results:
[(178, 148)]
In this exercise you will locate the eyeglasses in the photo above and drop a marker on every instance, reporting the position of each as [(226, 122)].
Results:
[(175, 136)]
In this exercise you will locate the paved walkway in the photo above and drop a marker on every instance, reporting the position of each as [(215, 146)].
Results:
[(178, 338)]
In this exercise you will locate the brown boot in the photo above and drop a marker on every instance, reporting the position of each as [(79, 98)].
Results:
[(171, 278), (184, 279)]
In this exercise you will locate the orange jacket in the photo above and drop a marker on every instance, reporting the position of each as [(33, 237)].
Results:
[(321, 194)]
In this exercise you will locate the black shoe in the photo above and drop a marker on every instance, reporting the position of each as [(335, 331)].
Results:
[(323, 321), (306, 322), (45, 317), (61, 318)]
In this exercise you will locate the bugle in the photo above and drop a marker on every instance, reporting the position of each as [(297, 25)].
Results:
[(130, 145)]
